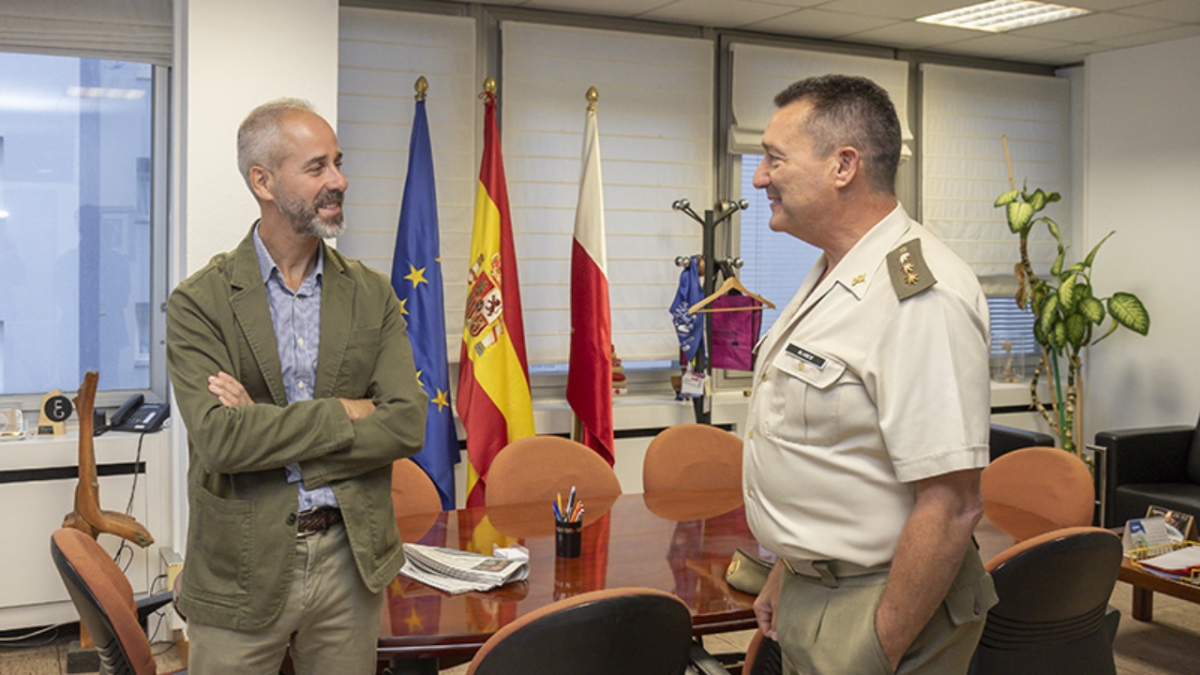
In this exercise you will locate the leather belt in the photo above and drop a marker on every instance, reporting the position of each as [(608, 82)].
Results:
[(830, 571), (318, 520)]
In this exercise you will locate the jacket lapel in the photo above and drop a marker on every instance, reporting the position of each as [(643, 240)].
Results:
[(253, 313), (337, 301)]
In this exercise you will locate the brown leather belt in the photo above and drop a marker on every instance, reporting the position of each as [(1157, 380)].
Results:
[(318, 520)]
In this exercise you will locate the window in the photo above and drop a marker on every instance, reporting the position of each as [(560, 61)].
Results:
[(77, 143)]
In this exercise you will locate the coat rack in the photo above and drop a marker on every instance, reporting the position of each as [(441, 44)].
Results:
[(708, 224)]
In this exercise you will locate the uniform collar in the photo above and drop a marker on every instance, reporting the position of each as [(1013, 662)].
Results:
[(865, 261)]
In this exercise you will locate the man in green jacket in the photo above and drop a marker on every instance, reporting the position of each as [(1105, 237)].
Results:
[(293, 373)]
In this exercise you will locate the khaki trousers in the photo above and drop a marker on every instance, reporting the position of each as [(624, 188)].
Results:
[(826, 624), (330, 620)]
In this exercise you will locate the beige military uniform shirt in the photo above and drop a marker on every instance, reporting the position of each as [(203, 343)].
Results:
[(858, 394)]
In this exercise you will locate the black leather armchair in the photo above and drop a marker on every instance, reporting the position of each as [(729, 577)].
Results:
[(1003, 440), (1157, 466)]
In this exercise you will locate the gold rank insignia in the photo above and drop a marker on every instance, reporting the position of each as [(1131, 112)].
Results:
[(859, 279), (906, 266)]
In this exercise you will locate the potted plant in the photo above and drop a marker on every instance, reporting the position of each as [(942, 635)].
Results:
[(1068, 313)]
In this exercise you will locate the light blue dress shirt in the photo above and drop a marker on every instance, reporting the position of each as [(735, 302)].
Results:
[(296, 317)]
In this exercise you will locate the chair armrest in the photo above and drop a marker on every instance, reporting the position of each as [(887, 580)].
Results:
[(151, 604), (703, 663)]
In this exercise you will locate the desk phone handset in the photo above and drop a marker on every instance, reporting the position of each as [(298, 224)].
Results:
[(138, 416)]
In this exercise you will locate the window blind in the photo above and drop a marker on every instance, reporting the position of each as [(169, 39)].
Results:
[(655, 116), (381, 54), (964, 114), (121, 30), (760, 72)]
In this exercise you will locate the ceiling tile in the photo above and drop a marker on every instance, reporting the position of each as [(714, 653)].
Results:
[(1168, 10), (1177, 33), (794, 3), (1092, 28), (912, 35), (816, 23), (607, 7), (1061, 56), (1001, 46), (718, 13), (909, 9), (1101, 5)]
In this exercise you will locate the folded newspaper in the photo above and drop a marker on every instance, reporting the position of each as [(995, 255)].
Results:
[(454, 571)]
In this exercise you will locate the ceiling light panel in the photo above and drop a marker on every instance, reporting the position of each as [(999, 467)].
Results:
[(998, 16)]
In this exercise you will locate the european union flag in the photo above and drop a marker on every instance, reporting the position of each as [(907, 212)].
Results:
[(417, 278)]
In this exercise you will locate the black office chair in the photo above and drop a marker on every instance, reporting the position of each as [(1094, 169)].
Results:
[(1003, 440), (633, 631), (1053, 614)]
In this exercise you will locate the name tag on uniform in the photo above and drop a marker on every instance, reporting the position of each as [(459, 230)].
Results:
[(806, 356)]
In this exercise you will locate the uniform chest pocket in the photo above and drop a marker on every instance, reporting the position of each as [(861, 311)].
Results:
[(807, 403)]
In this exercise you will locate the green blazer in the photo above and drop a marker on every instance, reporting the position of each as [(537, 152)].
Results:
[(242, 511)]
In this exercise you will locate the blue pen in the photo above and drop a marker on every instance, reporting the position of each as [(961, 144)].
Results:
[(557, 513)]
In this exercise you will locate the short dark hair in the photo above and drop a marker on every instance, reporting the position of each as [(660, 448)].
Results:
[(853, 111)]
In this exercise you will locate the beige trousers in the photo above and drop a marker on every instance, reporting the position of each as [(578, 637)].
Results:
[(330, 620), (827, 626)]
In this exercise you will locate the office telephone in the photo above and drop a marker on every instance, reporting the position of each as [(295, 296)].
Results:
[(138, 416)]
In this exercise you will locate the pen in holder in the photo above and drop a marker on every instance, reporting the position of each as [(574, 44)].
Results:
[(568, 526), (568, 539)]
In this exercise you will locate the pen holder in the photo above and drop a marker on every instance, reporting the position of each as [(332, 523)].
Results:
[(568, 538)]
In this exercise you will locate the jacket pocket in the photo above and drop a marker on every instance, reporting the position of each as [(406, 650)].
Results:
[(220, 548), (358, 363), (806, 404)]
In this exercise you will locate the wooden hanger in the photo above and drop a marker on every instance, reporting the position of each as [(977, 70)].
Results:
[(731, 284)]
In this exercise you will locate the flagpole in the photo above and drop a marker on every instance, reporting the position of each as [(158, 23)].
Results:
[(422, 86), (592, 96)]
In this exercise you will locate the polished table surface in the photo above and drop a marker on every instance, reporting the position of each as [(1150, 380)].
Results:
[(676, 542)]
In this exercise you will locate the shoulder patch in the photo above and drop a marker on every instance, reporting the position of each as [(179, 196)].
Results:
[(906, 266)]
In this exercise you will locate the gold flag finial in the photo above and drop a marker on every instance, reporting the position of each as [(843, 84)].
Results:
[(489, 85), (422, 86), (592, 97)]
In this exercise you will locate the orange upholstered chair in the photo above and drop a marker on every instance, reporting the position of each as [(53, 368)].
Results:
[(104, 600), (1031, 491), (412, 489), (634, 631), (692, 457), (536, 468)]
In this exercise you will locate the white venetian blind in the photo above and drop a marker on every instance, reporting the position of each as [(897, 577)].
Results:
[(122, 30), (965, 112), (759, 73), (381, 54), (656, 137)]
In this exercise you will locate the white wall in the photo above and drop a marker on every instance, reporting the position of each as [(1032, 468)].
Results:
[(1143, 174)]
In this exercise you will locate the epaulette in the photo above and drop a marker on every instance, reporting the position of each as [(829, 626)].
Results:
[(906, 266)]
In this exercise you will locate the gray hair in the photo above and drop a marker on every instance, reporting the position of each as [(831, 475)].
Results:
[(852, 111), (258, 136)]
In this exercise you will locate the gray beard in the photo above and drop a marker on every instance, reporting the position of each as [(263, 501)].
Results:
[(306, 221)]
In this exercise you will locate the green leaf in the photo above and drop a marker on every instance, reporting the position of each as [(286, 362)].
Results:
[(1040, 335), (1006, 198), (1066, 293), (1087, 262), (1077, 327), (1058, 336), (1128, 311), (1092, 309), (1048, 316), (1056, 268), (1019, 214), (1053, 197), (1082, 290), (1038, 202), (1054, 230)]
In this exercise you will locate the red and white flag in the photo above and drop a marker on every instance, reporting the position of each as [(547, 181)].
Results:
[(589, 380)]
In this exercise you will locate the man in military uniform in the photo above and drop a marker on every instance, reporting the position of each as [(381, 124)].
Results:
[(868, 423)]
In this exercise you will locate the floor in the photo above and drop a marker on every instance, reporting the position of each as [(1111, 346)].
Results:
[(1167, 646)]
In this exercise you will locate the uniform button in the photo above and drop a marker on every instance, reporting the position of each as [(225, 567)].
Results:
[(750, 436), (291, 519), (299, 385), (763, 378)]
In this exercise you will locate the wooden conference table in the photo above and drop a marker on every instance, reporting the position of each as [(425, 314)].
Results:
[(676, 542)]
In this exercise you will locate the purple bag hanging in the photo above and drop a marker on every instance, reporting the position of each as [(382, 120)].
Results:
[(734, 334)]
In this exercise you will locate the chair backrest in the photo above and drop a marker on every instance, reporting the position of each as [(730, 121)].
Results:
[(536, 468), (633, 631), (762, 656), (1193, 465), (1034, 490), (412, 490), (1054, 590), (692, 457), (104, 600), (1003, 440)]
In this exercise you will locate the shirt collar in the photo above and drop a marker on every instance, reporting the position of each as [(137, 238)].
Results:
[(266, 264), (865, 260)]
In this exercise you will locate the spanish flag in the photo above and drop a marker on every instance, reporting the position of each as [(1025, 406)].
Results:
[(493, 379)]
